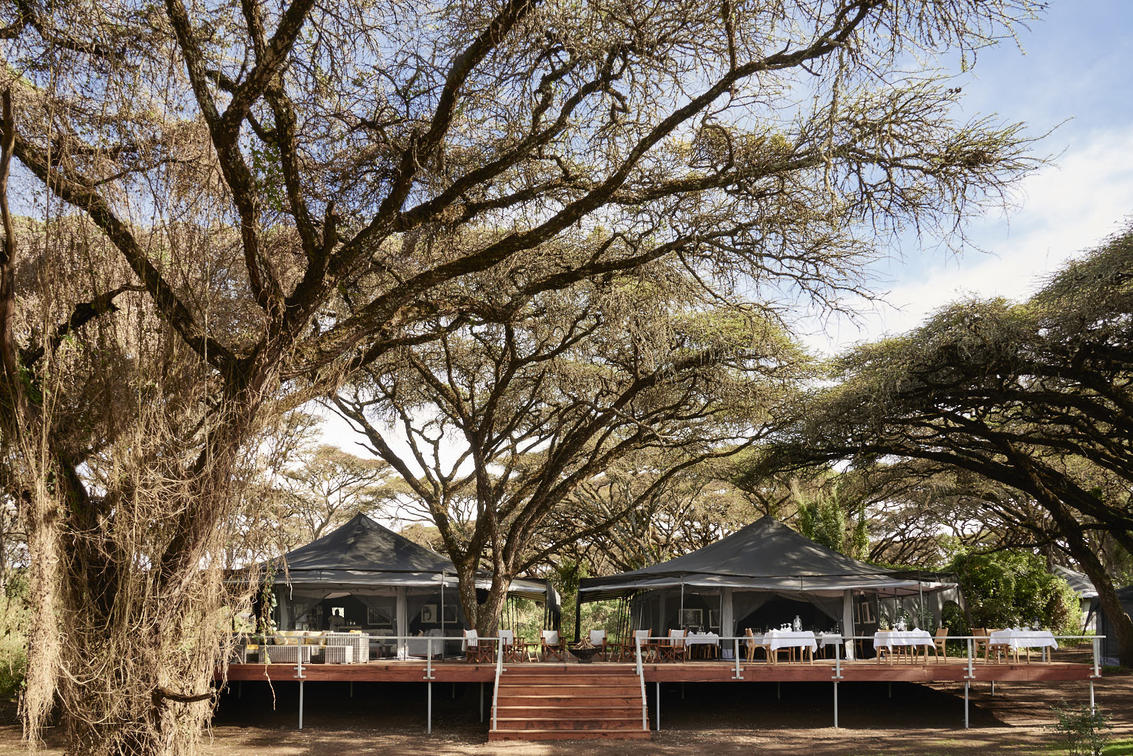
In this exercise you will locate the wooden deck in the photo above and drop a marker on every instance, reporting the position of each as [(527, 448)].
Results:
[(822, 670)]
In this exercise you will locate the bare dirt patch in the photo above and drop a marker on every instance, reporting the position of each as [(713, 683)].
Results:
[(709, 718)]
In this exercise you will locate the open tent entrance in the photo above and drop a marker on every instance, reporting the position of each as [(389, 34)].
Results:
[(762, 612)]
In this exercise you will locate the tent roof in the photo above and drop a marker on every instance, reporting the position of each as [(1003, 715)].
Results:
[(1081, 584), (362, 544), (363, 553), (766, 552)]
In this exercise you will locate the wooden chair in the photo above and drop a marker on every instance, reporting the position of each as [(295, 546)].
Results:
[(598, 640), (474, 651), (627, 650), (939, 643), (981, 638), (674, 647), (751, 645), (550, 644), (514, 650)]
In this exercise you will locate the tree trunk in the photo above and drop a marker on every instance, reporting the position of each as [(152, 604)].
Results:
[(1119, 620), (483, 617)]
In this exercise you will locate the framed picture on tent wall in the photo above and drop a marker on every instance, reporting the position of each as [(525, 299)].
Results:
[(692, 617), (429, 614)]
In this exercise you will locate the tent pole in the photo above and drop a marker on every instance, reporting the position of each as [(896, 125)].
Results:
[(442, 610), (681, 616), (577, 617)]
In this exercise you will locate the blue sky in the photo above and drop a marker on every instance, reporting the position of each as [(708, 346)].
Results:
[(1070, 72)]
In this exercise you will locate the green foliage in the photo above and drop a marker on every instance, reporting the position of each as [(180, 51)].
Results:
[(566, 580), (1012, 587), (13, 640), (823, 520), (1082, 732)]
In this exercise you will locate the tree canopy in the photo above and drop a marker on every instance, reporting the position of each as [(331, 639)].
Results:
[(1035, 396)]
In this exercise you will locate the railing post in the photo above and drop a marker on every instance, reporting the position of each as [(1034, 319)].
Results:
[(641, 680), (737, 675), (429, 664), (837, 677), (971, 670), (496, 685)]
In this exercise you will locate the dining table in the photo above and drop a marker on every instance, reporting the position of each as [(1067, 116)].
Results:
[(1014, 639), (773, 640), (903, 642), (708, 642)]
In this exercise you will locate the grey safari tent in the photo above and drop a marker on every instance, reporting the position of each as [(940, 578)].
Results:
[(364, 576), (766, 574)]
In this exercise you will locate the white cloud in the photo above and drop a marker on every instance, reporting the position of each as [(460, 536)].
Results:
[(1064, 210)]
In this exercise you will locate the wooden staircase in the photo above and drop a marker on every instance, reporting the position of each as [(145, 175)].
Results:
[(569, 702)]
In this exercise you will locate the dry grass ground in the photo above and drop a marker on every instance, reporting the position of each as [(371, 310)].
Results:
[(709, 718)]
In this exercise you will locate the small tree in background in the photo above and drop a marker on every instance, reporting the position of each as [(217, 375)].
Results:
[(1011, 588)]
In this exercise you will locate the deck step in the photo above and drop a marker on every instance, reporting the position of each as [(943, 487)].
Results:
[(544, 712), (568, 734), (569, 704), (583, 723)]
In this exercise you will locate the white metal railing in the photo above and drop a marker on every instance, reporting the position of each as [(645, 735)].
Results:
[(496, 685), (738, 643), (968, 658), (641, 679)]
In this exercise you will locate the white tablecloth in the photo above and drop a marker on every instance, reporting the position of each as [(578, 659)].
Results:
[(829, 639), (893, 638), (1016, 639), (776, 639), (702, 639)]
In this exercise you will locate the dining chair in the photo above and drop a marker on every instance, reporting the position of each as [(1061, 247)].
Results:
[(598, 640), (940, 642), (649, 647), (981, 639), (550, 645), (674, 647), (473, 648), (513, 649)]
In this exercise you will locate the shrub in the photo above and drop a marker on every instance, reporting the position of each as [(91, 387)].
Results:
[(13, 635), (1083, 732), (1011, 588)]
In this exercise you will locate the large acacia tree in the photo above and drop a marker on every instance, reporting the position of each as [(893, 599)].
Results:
[(503, 423), (1035, 396), (273, 195)]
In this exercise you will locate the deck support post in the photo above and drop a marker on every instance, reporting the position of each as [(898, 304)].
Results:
[(429, 708), (352, 689), (835, 704), (657, 714), (890, 689), (239, 689), (300, 704), (993, 687), (481, 703), (967, 684), (682, 690), (778, 690)]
